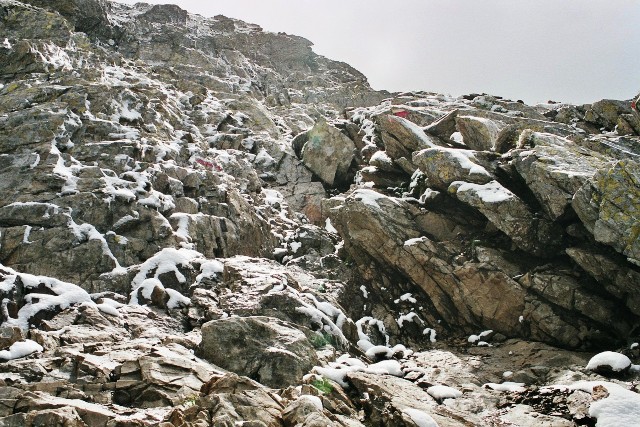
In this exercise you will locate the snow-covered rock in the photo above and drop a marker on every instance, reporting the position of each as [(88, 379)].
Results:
[(609, 361), (162, 173)]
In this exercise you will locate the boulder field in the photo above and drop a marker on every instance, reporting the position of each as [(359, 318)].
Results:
[(204, 223)]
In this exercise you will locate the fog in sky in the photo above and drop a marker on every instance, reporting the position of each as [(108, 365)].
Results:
[(574, 51)]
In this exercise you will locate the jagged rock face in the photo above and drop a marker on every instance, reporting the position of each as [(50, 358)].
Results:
[(87, 16), (203, 223), (608, 206)]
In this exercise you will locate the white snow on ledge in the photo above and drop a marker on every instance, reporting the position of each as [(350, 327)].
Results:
[(616, 361), (20, 349), (507, 386), (492, 192), (442, 392), (414, 241), (65, 295), (370, 197)]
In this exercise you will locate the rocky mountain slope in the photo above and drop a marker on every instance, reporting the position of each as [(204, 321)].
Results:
[(202, 223)]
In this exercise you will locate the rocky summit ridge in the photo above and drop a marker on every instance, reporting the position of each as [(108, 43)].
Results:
[(204, 223)]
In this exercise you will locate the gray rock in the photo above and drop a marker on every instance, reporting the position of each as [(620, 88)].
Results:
[(606, 113), (442, 166), (15, 14), (394, 392), (89, 16), (620, 280), (9, 335), (128, 132), (568, 293), (510, 215), (274, 353), (555, 169), (402, 137), (609, 206), (479, 133), (229, 400), (328, 153), (304, 412), (444, 127)]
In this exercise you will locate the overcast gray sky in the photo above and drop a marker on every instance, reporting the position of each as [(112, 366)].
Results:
[(567, 50)]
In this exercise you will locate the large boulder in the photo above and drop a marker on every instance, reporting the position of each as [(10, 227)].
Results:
[(391, 232), (442, 166), (231, 400), (479, 133), (306, 411), (444, 127), (273, 352), (328, 153), (393, 406), (606, 113), (16, 14), (609, 207), (402, 137)]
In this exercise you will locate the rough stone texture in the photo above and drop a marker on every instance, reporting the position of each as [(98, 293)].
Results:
[(271, 351), (479, 133), (389, 232), (609, 206), (328, 153), (555, 169), (387, 409), (304, 413), (606, 113), (509, 214), (230, 400), (149, 156), (402, 137), (620, 280), (442, 166), (89, 16)]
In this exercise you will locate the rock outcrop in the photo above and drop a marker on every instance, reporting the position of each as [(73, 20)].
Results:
[(204, 223), (274, 353)]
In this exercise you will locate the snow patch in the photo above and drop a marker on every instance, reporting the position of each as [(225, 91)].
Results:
[(368, 197), (492, 192), (329, 227), (506, 386), (420, 418), (441, 392), (414, 241), (620, 408), (609, 359), (64, 295), (363, 289), (21, 349)]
